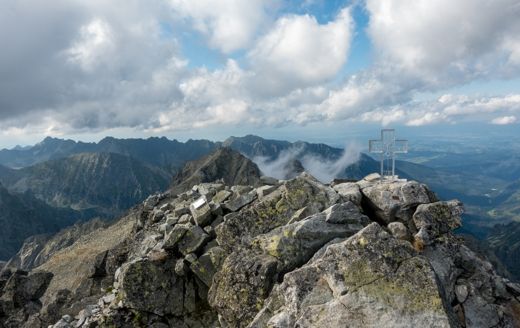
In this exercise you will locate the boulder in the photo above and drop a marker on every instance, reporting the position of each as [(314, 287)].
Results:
[(369, 279), (221, 196), (151, 287), (268, 180), (193, 240), (345, 213), (395, 200), (275, 253), (208, 264), (275, 210), (265, 190), (399, 230), (237, 293), (435, 219), (240, 201), (175, 235), (349, 191)]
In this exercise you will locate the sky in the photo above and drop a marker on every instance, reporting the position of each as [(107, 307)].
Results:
[(310, 70)]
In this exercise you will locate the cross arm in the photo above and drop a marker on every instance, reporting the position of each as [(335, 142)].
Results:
[(375, 146), (401, 146)]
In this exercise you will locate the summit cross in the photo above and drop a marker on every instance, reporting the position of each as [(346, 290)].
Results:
[(388, 146)]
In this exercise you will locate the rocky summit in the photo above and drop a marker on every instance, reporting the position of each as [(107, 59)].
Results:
[(281, 253)]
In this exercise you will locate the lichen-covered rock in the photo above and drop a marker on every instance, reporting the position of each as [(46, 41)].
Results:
[(193, 240), (175, 235), (344, 213), (302, 254), (19, 298), (350, 192), (395, 200), (265, 190), (222, 196), (471, 284), (152, 287), (208, 264), (275, 210), (435, 219), (273, 254), (240, 201), (241, 285), (370, 280), (399, 230), (295, 244)]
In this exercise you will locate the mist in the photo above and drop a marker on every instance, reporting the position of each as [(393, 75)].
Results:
[(322, 169)]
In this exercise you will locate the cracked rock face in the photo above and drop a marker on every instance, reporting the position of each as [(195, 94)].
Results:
[(366, 280)]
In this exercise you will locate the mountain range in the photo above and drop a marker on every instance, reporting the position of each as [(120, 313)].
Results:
[(106, 183), (106, 178)]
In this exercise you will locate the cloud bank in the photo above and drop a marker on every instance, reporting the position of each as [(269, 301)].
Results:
[(83, 66), (321, 168)]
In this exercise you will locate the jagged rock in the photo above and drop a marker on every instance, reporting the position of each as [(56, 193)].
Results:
[(349, 191), (370, 279), (345, 213), (216, 209), (461, 291), (226, 165), (222, 196), (395, 200), (275, 210), (201, 211), (149, 243), (237, 296), (399, 230), (208, 264), (241, 189), (210, 231), (151, 287), (157, 215), (181, 268), (165, 228), (193, 240), (180, 211), (293, 258), (19, 299), (208, 189), (284, 249), (186, 219), (171, 220), (242, 200), (435, 219), (265, 190), (487, 300), (172, 239), (151, 202), (268, 180)]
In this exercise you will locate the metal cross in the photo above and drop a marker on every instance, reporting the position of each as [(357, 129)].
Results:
[(388, 146)]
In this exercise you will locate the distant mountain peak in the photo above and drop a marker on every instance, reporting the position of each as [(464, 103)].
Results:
[(223, 164)]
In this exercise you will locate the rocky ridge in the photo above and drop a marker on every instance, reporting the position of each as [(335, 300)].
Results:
[(291, 253)]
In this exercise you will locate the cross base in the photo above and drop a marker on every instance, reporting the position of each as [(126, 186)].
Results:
[(392, 178)]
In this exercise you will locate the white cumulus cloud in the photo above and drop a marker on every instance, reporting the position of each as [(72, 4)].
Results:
[(298, 51), (230, 25), (504, 120)]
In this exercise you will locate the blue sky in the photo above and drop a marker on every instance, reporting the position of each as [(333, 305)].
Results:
[(287, 69)]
